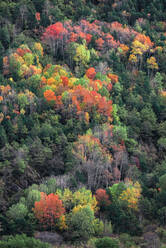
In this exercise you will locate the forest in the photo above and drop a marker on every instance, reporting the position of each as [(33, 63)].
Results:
[(82, 124)]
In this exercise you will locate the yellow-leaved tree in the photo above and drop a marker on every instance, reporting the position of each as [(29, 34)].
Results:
[(152, 64), (82, 55), (131, 194), (81, 197)]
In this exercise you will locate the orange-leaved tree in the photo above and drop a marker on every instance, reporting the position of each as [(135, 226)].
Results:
[(49, 209), (91, 73), (102, 197), (49, 95)]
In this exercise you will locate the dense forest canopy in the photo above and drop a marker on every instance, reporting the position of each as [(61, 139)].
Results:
[(82, 123)]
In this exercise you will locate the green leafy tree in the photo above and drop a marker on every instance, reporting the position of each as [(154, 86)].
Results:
[(81, 223), (148, 118), (5, 36), (32, 197), (162, 143), (3, 137), (162, 182), (17, 211)]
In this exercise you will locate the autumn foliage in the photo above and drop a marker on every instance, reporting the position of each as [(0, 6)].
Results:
[(102, 197), (84, 30), (131, 194), (24, 62), (90, 73), (114, 78), (48, 209), (37, 15), (80, 96), (82, 106), (54, 31), (49, 95)]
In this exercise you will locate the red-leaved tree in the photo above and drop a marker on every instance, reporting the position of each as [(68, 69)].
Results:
[(102, 197), (91, 73), (55, 36), (48, 209)]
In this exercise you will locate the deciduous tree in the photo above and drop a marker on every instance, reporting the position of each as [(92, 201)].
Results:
[(48, 209)]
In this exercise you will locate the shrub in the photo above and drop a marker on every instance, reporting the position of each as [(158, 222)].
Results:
[(107, 242), (162, 234), (126, 240), (22, 241)]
